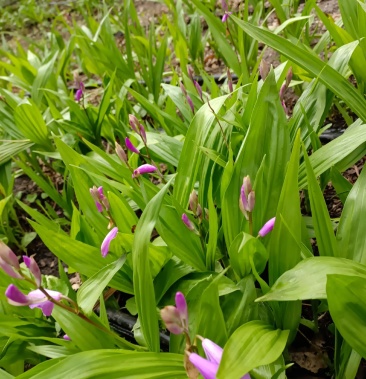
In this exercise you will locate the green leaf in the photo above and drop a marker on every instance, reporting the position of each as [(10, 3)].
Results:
[(211, 320), (11, 148), (347, 306), (342, 152), (113, 364), (310, 62), (307, 280), (323, 227), (83, 258), (351, 229), (143, 283), (29, 120), (90, 290), (253, 344)]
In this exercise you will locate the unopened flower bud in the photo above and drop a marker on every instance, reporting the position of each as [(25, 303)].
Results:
[(190, 103), (224, 5), (190, 72), (170, 316), (143, 169), (193, 201), (188, 223), (289, 77), (199, 89), (121, 153), (264, 68), (134, 122), (131, 147), (247, 197), (282, 91), (267, 227), (7, 255), (34, 269), (183, 89)]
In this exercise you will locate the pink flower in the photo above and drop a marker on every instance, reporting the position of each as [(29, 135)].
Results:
[(66, 337), (130, 146), (247, 197), (144, 169), (190, 103), (208, 367), (267, 227), (225, 16), (35, 299), (176, 318), (187, 222), (107, 241)]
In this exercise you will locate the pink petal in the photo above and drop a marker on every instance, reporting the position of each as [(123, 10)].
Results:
[(267, 227), (207, 369), (130, 146), (107, 241), (15, 296)]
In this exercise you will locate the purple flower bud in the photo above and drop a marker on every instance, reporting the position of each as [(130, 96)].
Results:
[(97, 195), (190, 72), (100, 192), (206, 368), (247, 197), (188, 223), (267, 227), (10, 270), (144, 169), (190, 103), (78, 94), (143, 133), (35, 299), (66, 337), (134, 122), (199, 89), (8, 256), (181, 305), (225, 16), (130, 146), (171, 317), (121, 153), (282, 91), (34, 269), (229, 80), (183, 89), (107, 241)]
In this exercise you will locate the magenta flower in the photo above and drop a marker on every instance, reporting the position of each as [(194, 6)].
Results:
[(9, 262), (208, 367), (35, 299), (224, 5), (225, 16), (176, 318), (34, 269), (107, 241), (267, 227), (78, 95), (66, 337), (144, 169), (188, 223), (183, 89), (130, 146)]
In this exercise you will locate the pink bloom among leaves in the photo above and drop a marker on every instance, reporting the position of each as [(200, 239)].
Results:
[(267, 227), (144, 169), (35, 299), (9, 262), (107, 241), (209, 367), (130, 146)]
